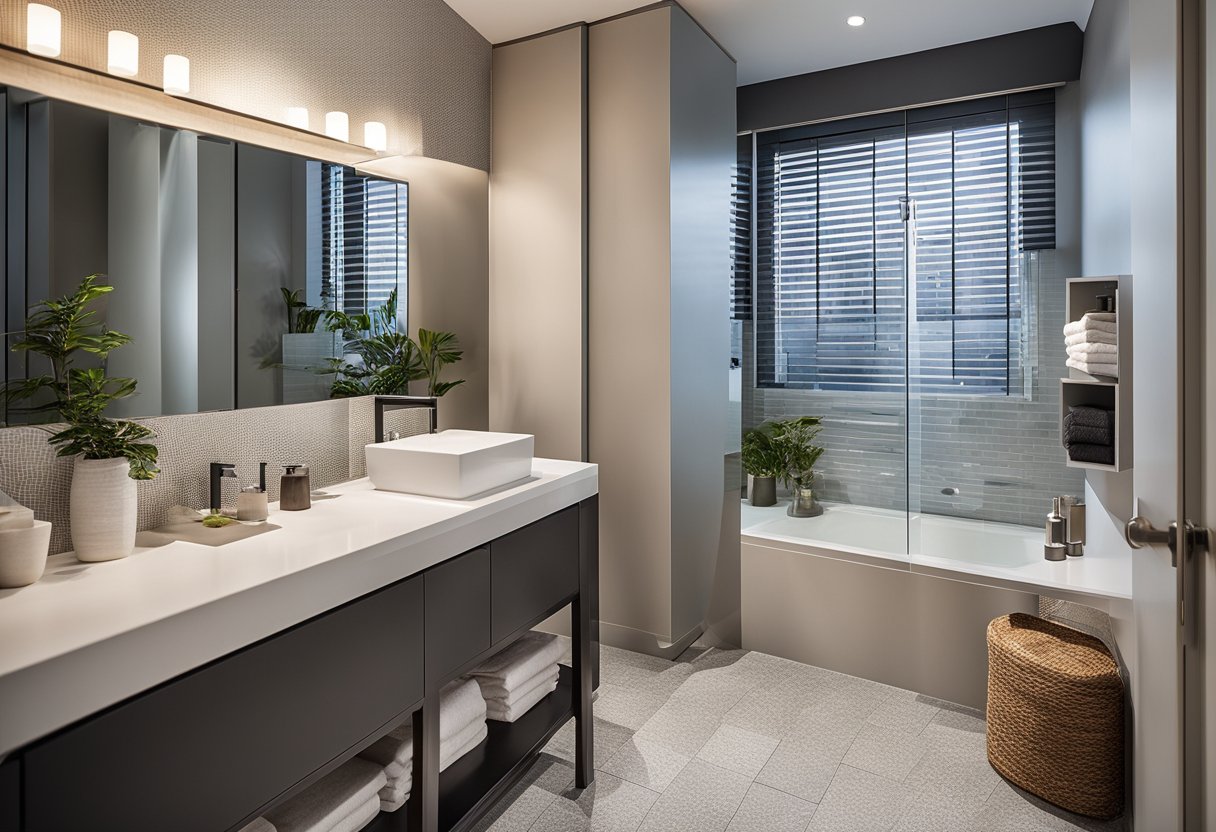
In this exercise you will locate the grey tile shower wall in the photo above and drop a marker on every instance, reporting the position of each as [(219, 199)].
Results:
[(1002, 453), (415, 65), (327, 436)]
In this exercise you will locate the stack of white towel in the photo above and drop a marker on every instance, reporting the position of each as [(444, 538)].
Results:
[(462, 727), (258, 825), (345, 800), (1093, 344), (520, 676)]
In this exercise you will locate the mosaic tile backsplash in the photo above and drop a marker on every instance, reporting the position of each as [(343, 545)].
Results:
[(327, 436)]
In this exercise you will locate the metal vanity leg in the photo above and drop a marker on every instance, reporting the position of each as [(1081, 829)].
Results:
[(586, 647), (424, 800)]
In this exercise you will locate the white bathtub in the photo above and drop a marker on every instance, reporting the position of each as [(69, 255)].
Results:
[(902, 599)]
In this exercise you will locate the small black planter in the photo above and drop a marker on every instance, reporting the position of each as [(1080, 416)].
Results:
[(763, 491)]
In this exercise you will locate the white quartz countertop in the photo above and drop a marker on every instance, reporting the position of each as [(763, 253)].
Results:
[(89, 635)]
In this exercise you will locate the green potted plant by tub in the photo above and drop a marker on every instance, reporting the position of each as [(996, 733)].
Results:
[(111, 454), (795, 439), (763, 459)]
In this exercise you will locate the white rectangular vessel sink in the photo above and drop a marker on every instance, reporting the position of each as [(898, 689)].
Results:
[(454, 464)]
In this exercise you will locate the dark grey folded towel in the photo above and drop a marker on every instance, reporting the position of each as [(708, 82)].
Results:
[(1101, 454), (1087, 435), (1094, 417)]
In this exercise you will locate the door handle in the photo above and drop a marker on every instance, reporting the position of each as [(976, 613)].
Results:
[(1139, 532)]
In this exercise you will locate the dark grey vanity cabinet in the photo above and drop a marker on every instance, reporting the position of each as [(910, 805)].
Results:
[(10, 795), (533, 572), (202, 752), (457, 612)]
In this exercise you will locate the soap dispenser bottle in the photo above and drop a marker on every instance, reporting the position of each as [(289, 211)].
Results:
[(1055, 544), (251, 503), (295, 492)]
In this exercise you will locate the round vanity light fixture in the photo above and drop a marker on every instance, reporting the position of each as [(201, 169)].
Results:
[(43, 30), (177, 75), (298, 117), (375, 136), (856, 20), (122, 57), (337, 126)]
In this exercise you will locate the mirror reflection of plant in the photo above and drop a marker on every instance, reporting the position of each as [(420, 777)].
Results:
[(59, 330), (437, 350), (389, 359)]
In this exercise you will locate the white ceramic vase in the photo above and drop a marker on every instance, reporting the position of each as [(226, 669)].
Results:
[(103, 509), (23, 554)]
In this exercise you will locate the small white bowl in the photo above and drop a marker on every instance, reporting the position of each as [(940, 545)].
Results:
[(23, 554)]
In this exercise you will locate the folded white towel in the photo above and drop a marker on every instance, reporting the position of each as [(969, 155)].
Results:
[(258, 825), (460, 705), (331, 800), (474, 738), (394, 751), (1094, 368), (528, 656), (499, 695), (510, 713), (359, 818), (393, 796), (1079, 350), (1096, 336), (1093, 322)]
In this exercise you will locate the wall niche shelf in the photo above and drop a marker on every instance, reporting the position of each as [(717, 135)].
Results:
[(1080, 389)]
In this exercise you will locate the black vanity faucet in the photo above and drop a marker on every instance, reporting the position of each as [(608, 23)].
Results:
[(218, 470)]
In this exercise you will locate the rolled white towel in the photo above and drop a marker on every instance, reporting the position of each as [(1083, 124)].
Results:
[(1093, 322), (1092, 349), (332, 800), (258, 825), (510, 713), (359, 818), (496, 694), (460, 705), (530, 655), (1095, 368), (1096, 336)]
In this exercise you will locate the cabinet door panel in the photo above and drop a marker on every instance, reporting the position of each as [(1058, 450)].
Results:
[(533, 569)]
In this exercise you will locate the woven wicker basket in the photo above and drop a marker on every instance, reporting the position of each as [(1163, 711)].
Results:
[(1055, 714)]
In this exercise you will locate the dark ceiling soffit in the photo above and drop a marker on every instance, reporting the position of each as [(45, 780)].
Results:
[(1050, 55)]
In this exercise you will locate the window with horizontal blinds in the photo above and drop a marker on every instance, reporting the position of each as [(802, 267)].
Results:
[(741, 232), (364, 239), (833, 307)]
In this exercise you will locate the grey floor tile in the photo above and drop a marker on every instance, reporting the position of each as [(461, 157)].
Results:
[(767, 810), (607, 737), (702, 798), (888, 752), (858, 801), (608, 805), (953, 768), (679, 726), (713, 691), (1010, 805), (739, 750), (927, 814), (529, 798), (629, 669), (646, 763), (773, 710), (904, 711), (626, 706), (807, 758), (848, 696)]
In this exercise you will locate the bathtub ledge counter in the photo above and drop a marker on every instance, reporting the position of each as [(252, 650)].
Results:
[(88, 636)]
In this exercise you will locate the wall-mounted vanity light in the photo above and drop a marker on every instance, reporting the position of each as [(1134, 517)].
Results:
[(298, 117), (337, 126), (122, 57), (375, 136), (43, 30), (177, 75)]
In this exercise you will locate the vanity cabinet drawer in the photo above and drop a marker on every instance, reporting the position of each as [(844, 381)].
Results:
[(457, 612), (532, 570), (204, 751), (10, 795)]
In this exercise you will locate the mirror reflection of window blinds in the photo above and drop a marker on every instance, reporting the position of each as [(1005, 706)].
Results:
[(830, 292), (364, 249)]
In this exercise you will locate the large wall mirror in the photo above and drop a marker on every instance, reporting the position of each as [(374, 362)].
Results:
[(232, 265)]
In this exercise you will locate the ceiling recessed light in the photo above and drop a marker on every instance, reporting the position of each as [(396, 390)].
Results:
[(856, 20)]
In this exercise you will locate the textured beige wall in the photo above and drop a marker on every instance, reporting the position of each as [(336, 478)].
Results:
[(415, 65), (537, 243), (629, 96)]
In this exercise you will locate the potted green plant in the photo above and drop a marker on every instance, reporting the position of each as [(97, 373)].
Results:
[(795, 439), (763, 459), (306, 349), (111, 454)]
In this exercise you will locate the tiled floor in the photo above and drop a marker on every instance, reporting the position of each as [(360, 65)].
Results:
[(730, 741)]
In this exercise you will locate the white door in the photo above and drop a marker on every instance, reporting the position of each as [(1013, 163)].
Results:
[(1166, 180)]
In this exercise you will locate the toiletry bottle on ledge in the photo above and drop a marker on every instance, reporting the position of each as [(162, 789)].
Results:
[(1055, 544), (295, 492)]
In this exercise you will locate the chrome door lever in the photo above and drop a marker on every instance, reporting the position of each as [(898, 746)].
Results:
[(1139, 532)]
